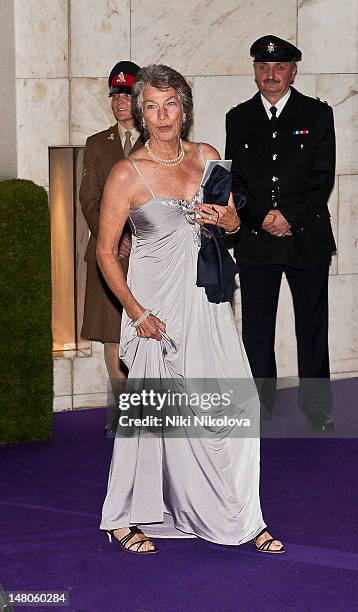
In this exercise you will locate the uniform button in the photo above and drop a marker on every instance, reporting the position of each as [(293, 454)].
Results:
[(274, 204), (246, 146), (319, 216), (274, 179), (274, 134), (274, 157), (254, 232)]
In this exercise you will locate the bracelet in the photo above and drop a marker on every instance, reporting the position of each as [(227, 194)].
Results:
[(142, 318), (235, 230)]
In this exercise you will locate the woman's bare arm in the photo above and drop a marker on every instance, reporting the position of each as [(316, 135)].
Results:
[(115, 208)]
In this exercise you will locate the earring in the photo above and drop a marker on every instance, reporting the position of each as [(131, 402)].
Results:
[(144, 123), (184, 117)]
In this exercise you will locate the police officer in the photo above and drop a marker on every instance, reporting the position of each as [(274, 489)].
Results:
[(102, 311), (283, 147)]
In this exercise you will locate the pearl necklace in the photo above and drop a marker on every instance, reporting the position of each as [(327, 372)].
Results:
[(166, 162)]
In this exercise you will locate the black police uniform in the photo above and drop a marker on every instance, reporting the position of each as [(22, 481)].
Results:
[(287, 163)]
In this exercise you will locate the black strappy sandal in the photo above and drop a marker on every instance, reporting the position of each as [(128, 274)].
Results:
[(123, 541), (266, 545)]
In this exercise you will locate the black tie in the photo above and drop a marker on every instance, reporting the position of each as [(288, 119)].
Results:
[(273, 111)]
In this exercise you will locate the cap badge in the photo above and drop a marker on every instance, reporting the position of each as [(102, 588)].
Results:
[(271, 47), (120, 78)]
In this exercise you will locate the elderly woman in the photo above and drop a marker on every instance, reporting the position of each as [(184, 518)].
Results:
[(184, 485)]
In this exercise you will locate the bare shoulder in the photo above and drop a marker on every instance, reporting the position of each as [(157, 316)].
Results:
[(209, 151), (122, 171), (120, 185)]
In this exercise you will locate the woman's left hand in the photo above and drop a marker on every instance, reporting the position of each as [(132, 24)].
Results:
[(215, 214)]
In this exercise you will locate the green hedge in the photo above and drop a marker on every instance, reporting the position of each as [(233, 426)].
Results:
[(26, 375)]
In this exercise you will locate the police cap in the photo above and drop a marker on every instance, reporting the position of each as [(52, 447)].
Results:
[(273, 49)]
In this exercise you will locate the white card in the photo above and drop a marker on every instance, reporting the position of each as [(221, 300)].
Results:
[(209, 166)]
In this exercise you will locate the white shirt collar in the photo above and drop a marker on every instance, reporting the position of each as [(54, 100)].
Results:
[(279, 105)]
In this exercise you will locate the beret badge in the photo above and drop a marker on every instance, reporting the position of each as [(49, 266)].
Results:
[(120, 78)]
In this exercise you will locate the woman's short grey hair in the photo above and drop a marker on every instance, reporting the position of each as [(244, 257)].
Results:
[(162, 77)]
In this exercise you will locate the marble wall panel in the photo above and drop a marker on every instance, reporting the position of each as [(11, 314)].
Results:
[(348, 225), (90, 400), (62, 403), (100, 36), (214, 96), (97, 349), (41, 38), (306, 83), (42, 121), (343, 290), (285, 344), (341, 92), (90, 109), (206, 38), (328, 35), (8, 149), (62, 371), (89, 375)]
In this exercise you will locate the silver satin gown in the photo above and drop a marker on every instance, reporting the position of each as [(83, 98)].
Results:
[(203, 486)]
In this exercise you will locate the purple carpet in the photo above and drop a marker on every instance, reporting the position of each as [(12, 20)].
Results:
[(51, 497)]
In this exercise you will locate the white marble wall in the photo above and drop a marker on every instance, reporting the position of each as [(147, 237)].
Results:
[(42, 85), (94, 114), (206, 37), (65, 49), (100, 35)]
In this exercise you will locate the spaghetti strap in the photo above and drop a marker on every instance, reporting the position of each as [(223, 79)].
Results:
[(142, 177), (201, 155)]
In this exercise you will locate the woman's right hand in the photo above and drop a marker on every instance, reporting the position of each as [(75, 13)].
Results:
[(150, 328)]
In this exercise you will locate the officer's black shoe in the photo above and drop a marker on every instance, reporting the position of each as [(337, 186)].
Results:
[(323, 422)]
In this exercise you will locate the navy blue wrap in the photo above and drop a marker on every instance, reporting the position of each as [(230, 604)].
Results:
[(216, 269)]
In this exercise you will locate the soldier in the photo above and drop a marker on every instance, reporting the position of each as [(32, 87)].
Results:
[(283, 147), (102, 311)]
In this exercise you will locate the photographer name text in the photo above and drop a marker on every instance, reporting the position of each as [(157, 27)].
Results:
[(180, 421)]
